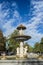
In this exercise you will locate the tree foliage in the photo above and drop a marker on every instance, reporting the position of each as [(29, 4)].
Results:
[(41, 45), (13, 44), (38, 47)]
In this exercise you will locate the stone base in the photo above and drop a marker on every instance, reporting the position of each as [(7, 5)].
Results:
[(21, 57), (21, 62)]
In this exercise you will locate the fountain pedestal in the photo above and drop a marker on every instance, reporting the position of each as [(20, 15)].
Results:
[(21, 49)]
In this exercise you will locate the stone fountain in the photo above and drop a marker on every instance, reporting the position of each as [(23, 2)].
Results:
[(21, 51)]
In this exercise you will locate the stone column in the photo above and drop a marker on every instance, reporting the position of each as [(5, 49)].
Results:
[(21, 32), (21, 49)]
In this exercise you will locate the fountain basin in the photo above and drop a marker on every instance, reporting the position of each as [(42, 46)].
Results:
[(21, 37)]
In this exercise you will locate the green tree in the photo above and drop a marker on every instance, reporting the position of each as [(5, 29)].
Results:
[(41, 45), (30, 49), (13, 44), (2, 41), (36, 47)]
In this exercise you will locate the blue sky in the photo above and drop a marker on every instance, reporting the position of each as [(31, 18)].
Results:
[(27, 12)]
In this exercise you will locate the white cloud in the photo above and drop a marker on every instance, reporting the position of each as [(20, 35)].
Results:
[(14, 5), (34, 22), (31, 24), (3, 14), (9, 28), (17, 15), (7, 23)]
